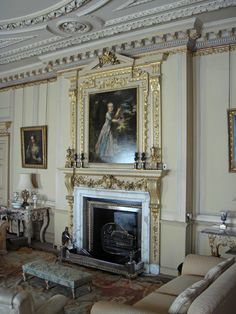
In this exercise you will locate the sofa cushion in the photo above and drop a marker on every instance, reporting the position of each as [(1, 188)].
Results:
[(199, 264), (217, 270), (184, 299), (178, 285), (155, 302), (219, 297)]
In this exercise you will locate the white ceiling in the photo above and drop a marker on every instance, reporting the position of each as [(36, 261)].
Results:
[(32, 32)]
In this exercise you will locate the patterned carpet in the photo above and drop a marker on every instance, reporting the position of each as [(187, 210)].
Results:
[(105, 286)]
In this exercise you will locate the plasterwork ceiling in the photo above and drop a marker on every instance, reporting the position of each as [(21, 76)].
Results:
[(72, 33)]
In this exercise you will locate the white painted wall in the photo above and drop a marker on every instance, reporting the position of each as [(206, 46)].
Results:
[(214, 185), (174, 138)]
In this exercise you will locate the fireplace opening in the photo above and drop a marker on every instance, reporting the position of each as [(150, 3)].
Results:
[(113, 231)]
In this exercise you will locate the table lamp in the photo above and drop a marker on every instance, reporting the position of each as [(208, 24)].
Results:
[(25, 185)]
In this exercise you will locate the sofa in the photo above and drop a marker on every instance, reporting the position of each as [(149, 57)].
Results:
[(15, 302), (207, 285)]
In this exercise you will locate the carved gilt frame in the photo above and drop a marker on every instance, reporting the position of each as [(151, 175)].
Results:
[(232, 139), (120, 76)]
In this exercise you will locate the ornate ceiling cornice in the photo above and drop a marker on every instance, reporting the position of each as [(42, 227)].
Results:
[(58, 43), (179, 9), (135, 22), (174, 42)]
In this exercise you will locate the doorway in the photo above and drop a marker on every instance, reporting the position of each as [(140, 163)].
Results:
[(4, 169)]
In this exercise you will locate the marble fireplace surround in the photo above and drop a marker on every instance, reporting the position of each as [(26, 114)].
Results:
[(143, 186)]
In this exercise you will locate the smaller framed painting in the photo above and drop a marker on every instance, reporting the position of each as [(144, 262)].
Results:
[(232, 139), (34, 147)]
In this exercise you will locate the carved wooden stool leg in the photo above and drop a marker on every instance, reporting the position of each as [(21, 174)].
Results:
[(73, 293), (24, 276)]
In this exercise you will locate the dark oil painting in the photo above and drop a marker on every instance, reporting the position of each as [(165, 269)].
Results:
[(33, 147), (113, 126)]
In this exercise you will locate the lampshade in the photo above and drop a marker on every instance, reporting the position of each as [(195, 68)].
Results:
[(25, 182)]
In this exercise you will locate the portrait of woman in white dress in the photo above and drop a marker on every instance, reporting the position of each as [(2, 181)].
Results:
[(106, 145), (112, 126)]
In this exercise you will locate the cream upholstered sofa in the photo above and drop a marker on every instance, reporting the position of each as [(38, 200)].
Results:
[(13, 302), (207, 285)]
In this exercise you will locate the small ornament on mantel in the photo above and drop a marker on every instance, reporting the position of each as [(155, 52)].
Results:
[(81, 160), (143, 161), (223, 217), (153, 163), (75, 163), (70, 152), (136, 160)]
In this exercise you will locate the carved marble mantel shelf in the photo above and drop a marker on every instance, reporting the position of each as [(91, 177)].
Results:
[(115, 178), (120, 179), (129, 172)]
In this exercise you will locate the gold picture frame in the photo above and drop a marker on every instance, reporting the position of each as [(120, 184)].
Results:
[(232, 139), (118, 79), (34, 147)]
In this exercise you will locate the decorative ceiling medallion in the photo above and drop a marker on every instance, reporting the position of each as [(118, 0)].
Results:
[(72, 27), (65, 9)]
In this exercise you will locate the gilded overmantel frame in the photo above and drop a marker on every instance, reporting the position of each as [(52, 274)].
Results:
[(125, 73)]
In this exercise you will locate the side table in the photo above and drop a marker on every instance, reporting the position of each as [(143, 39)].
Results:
[(218, 237), (28, 216)]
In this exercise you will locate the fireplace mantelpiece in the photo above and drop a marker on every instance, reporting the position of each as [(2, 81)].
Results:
[(124, 180), (144, 74)]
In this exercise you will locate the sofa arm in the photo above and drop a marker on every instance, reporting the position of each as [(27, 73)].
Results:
[(55, 305), (104, 307), (199, 264)]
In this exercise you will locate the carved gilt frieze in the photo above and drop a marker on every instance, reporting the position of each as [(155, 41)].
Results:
[(111, 182)]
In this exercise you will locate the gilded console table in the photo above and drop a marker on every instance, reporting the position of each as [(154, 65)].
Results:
[(27, 217), (218, 237)]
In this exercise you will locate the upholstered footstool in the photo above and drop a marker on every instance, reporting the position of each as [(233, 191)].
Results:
[(56, 273)]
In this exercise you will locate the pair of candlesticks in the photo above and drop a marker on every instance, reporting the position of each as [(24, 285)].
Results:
[(78, 160), (139, 161)]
